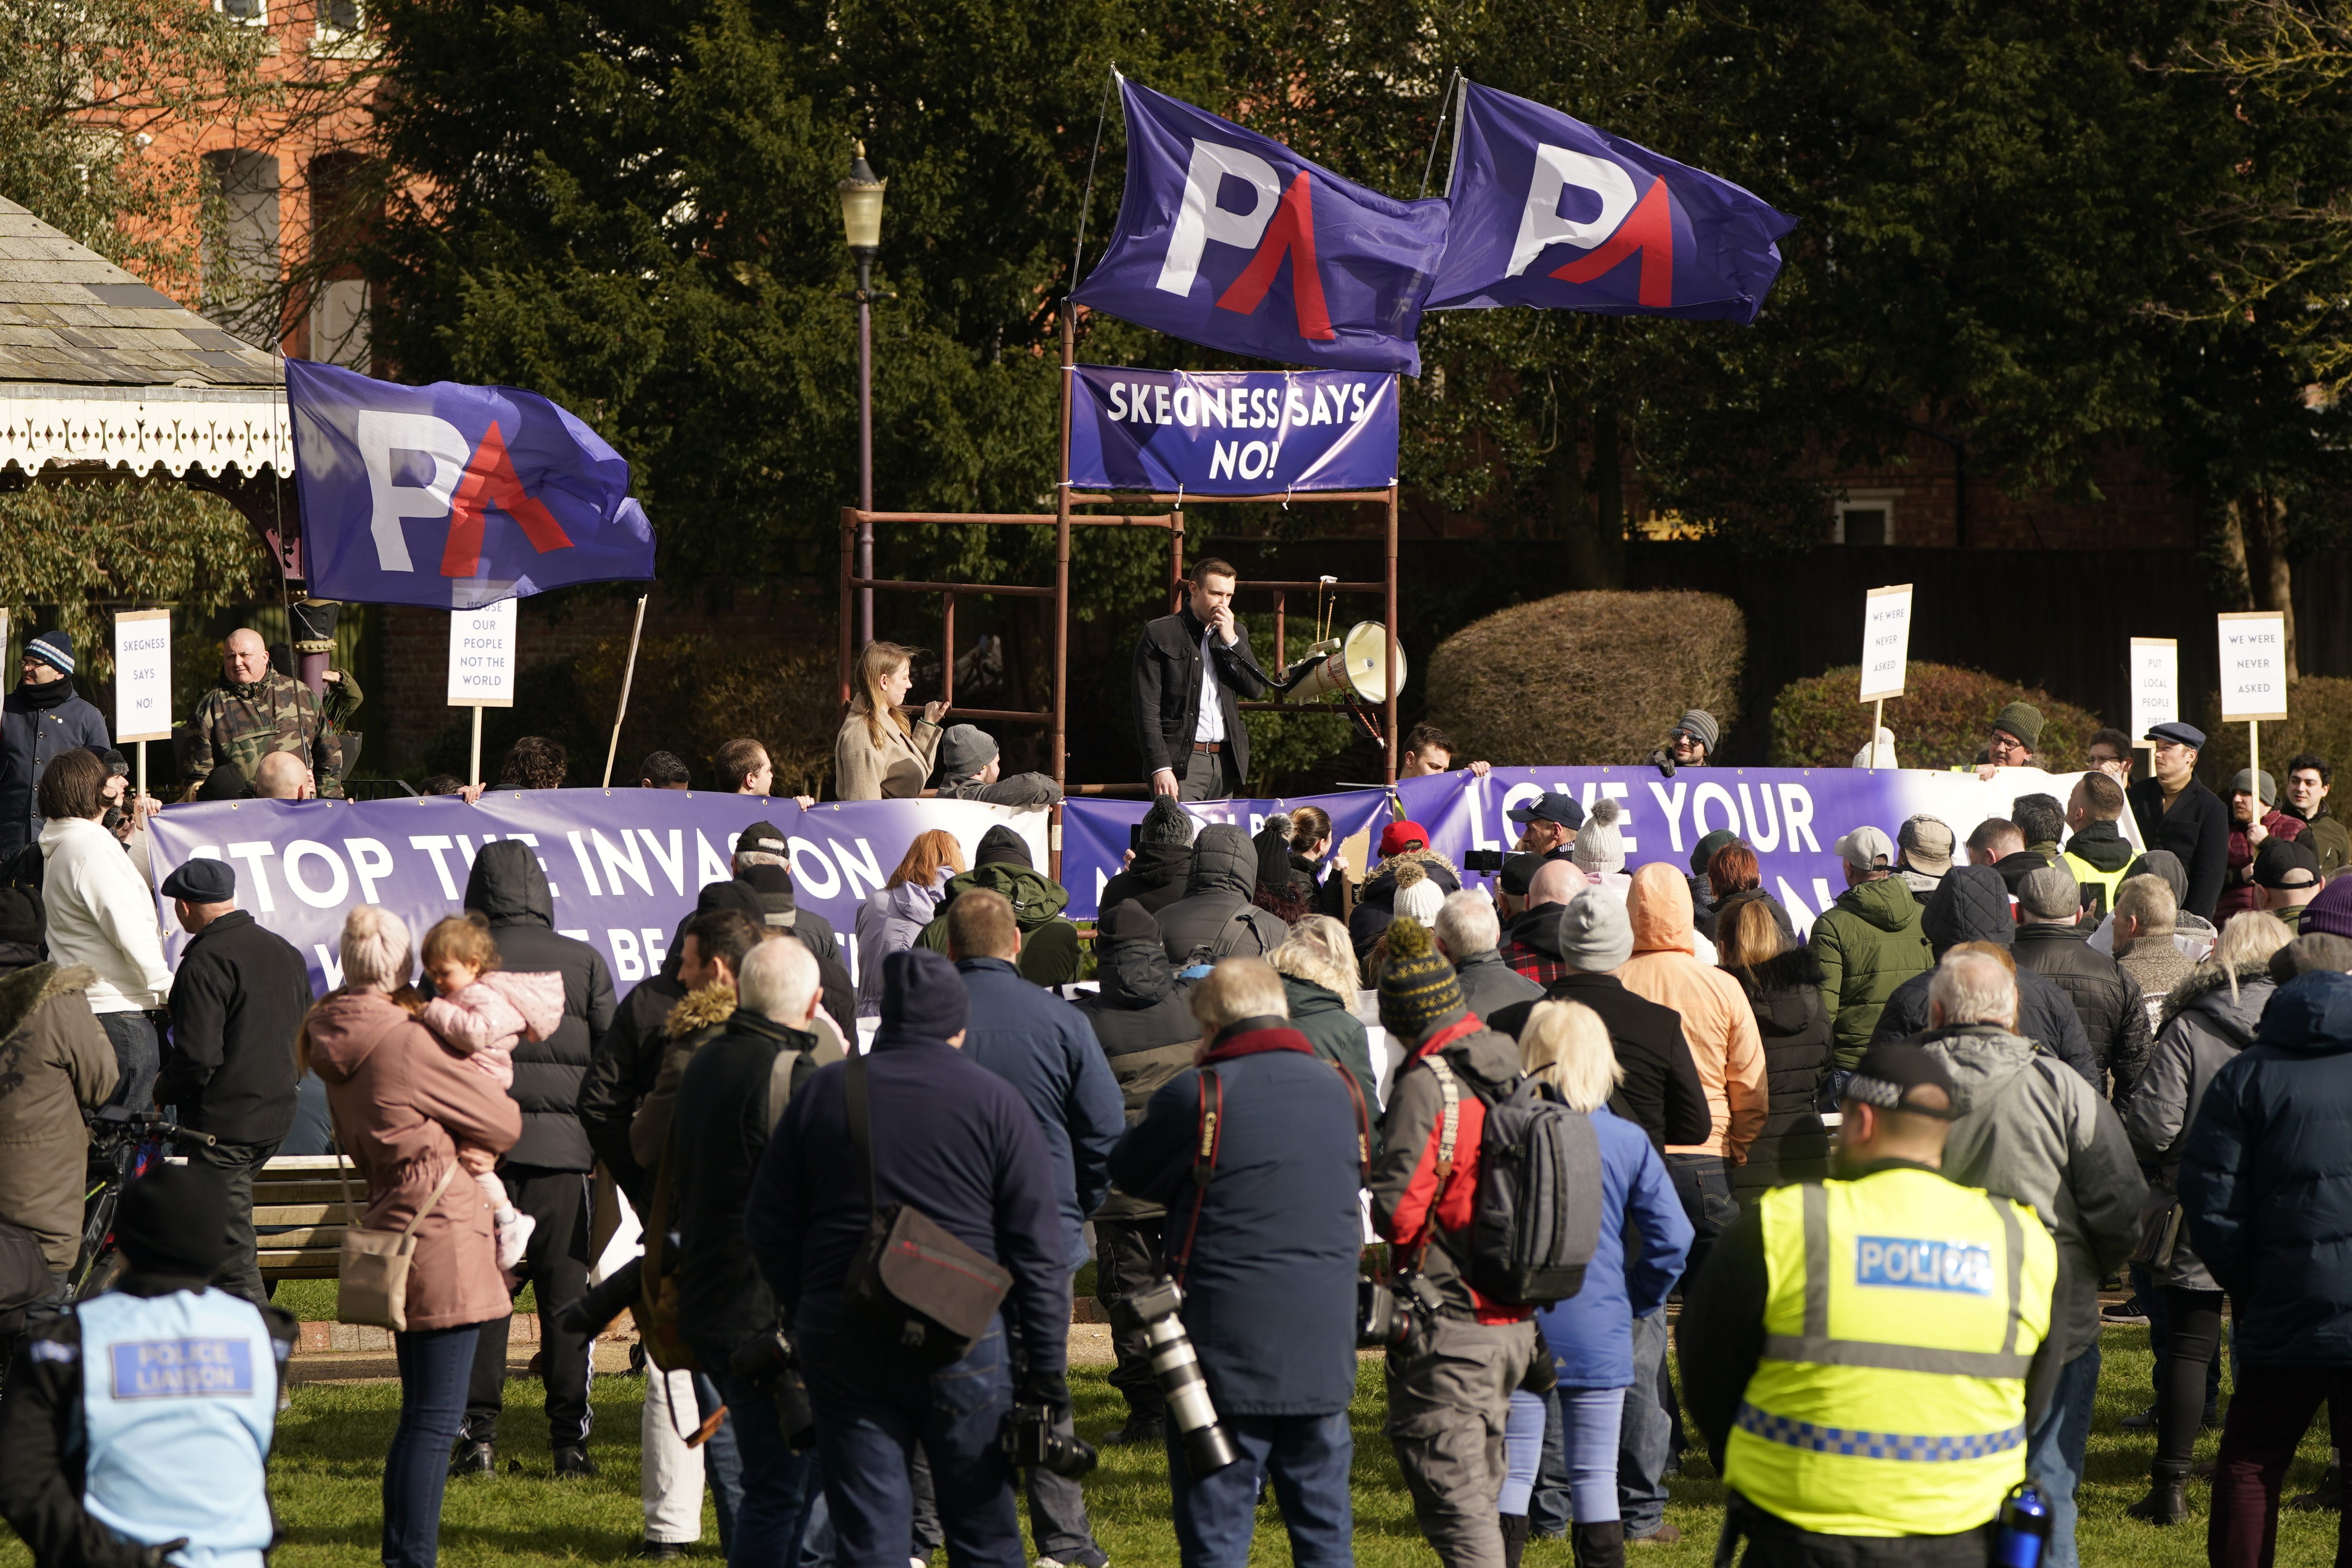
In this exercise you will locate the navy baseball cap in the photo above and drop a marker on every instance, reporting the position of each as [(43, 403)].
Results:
[(2188, 735), (1550, 807)]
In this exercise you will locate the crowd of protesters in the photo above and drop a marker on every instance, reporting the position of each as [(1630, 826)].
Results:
[(2137, 1055)]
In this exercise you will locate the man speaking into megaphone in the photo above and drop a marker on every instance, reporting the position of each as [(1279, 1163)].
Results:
[(1192, 671)]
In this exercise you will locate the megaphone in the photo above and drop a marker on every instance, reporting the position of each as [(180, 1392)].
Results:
[(1355, 665)]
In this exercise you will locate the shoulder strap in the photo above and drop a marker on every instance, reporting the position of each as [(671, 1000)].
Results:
[(1363, 1123), (1210, 1132), (342, 1175), (861, 1130), (1449, 1131)]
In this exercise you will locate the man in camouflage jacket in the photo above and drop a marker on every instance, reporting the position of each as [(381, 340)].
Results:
[(255, 711)]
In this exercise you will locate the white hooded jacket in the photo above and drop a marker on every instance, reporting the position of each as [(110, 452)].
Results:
[(102, 915)]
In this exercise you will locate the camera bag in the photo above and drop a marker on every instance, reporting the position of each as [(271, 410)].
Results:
[(931, 1293)]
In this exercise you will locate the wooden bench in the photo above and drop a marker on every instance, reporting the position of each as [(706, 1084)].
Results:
[(298, 1215)]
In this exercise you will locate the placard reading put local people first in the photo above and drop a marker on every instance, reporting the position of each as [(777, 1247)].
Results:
[(1885, 642), (482, 656), (2253, 665), (2154, 684), (143, 676)]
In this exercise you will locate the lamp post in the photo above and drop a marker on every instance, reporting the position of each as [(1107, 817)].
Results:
[(861, 217)]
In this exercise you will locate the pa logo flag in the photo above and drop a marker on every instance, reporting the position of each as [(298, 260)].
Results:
[(1551, 212), (454, 497), (1231, 240)]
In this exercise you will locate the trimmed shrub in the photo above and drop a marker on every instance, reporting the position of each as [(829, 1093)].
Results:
[(1593, 678), (1940, 721), (2319, 720)]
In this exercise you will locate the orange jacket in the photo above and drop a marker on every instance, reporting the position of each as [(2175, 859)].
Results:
[(1716, 1020)]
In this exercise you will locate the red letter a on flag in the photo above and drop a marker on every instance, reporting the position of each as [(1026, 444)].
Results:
[(1291, 232), (490, 481), (1649, 228)]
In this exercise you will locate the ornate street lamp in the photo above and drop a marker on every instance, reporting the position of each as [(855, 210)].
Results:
[(861, 218)]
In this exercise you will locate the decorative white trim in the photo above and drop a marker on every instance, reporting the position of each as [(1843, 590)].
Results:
[(138, 428)]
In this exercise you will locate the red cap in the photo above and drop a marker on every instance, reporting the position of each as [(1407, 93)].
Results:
[(1399, 836)]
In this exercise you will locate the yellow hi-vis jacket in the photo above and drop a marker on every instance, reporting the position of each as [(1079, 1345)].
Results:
[(2097, 884), (1902, 1311)]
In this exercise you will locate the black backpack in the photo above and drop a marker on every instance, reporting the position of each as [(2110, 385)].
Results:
[(1536, 1219)]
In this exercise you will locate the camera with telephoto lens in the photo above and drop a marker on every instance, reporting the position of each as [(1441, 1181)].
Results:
[(1385, 1311), (1029, 1439), (768, 1364), (1152, 1312)]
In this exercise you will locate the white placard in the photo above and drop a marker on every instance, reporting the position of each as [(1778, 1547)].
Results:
[(482, 656), (2154, 684), (2253, 664), (143, 676), (1885, 642)]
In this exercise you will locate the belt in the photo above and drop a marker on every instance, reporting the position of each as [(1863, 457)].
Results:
[(1210, 746)]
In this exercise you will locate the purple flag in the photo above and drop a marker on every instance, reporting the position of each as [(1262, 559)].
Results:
[(1551, 212), (454, 497), (1229, 239)]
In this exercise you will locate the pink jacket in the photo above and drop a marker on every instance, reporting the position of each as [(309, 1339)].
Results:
[(1717, 1019), (483, 1022), (401, 1105)]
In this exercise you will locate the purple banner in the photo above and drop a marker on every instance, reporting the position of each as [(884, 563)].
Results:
[(1229, 239), (1551, 212), (623, 866), (1792, 817), (1233, 432), (454, 497)]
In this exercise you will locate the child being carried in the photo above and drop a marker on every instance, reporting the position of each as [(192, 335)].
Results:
[(479, 1012)]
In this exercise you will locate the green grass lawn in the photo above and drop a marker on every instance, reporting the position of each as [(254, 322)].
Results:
[(327, 1474)]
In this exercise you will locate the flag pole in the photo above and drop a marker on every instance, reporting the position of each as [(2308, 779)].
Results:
[(1430, 163), (628, 673)]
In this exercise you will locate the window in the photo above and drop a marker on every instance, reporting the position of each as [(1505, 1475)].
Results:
[(241, 237), (1866, 518), (342, 30), (252, 13), (339, 323)]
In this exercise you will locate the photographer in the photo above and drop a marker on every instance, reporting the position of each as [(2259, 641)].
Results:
[(730, 1098), (1265, 1253), (954, 1142)]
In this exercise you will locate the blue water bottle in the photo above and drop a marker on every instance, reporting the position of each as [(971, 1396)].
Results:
[(2024, 1537)]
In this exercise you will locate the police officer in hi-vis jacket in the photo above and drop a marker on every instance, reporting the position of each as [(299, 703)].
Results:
[(1858, 1350), (136, 1427)]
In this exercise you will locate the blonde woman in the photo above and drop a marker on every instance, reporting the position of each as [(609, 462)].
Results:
[(1591, 1335), (879, 755), (1318, 965)]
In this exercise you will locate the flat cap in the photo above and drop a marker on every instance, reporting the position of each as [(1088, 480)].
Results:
[(203, 881)]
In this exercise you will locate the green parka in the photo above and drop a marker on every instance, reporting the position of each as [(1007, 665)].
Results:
[(1868, 943)]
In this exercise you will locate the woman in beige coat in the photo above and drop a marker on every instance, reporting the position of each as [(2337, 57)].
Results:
[(879, 756), (401, 1104)]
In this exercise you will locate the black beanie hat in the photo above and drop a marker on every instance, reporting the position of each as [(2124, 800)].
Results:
[(225, 781), (1129, 920), (1165, 822), (922, 995), (175, 1220), (732, 895), (20, 918), (999, 846)]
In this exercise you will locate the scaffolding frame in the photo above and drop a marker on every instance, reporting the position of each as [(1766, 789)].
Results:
[(1066, 517)]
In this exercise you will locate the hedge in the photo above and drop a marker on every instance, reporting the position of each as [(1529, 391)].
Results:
[(2318, 720), (1941, 721), (1586, 678)]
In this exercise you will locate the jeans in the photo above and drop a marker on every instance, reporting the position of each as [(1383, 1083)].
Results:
[(1577, 1480), (2192, 1347), (1703, 1183), (236, 1163), (1306, 1457), (1058, 1506), (2269, 1412), (778, 1484), (138, 1055), (818, 1547), (2054, 1456), (874, 1406), (434, 1364), (1643, 1432), (1523, 1440)]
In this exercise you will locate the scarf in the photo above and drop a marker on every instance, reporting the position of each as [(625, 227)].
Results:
[(42, 697)]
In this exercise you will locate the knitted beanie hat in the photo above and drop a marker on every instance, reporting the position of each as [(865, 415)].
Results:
[(1600, 848), (1418, 986), (1417, 897)]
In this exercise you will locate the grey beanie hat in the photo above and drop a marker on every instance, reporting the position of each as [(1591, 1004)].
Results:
[(965, 750), (1700, 726), (2249, 782), (1600, 848), (1595, 936)]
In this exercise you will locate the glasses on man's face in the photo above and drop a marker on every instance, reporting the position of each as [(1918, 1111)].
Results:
[(2003, 746)]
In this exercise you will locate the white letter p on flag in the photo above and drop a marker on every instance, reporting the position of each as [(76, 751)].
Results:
[(1200, 219), (1540, 223), (378, 433)]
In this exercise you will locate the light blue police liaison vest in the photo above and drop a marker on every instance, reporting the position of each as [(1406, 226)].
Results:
[(179, 1397)]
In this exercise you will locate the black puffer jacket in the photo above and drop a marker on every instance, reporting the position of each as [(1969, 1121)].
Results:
[(1784, 993), (772, 886), (1154, 879), (1376, 905), (510, 892), (1143, 1017), (2208, 1020), (1971, 904), (2108, 1001), (1215, 911)]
